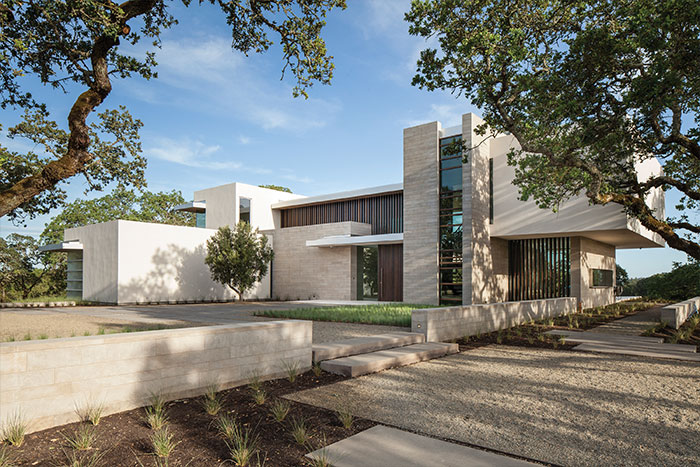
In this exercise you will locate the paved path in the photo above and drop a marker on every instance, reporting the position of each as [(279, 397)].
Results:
[(382, 446), (214, 313), (566, 408), (633, 325)]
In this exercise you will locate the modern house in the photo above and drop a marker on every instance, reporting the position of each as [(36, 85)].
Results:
[(454, 232)]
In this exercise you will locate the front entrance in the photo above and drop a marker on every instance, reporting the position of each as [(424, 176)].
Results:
[(380, 273)]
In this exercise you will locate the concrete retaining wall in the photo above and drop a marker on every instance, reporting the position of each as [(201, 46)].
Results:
[(439, 324), (676, 314), (45, 381)]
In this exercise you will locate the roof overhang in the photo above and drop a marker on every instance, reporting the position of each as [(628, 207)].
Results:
[(356, 240), (72, 245), (192, 206), (619, 238)]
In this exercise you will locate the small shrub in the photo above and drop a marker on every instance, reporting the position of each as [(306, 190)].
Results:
[(530, 340), (154, 419), (321, 458), (27, 337), (90, 413), (259, 396), (82, 438), (226, 426), (100, 331), (14, 430), (499, 337), (86, 333), (162, 442), (291, 367), (280, 409), (157, 402), (242, 446), (299, 431), (43, 336), (316, 368), (345, 417)]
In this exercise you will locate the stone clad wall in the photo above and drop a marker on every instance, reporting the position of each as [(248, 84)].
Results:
[(676, 314), (440, 324), (45, 381), (421, 227)]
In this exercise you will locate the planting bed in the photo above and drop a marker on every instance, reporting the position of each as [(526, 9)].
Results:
[(123, 439), (688, 333), (533, 334)]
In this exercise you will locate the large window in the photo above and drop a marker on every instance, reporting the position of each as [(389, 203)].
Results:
[(601, 278), (539, 268), (201, 219), (451, 220), (244, 210)]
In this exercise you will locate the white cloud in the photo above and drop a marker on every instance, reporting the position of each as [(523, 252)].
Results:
[(190, 153), (205, 75), (244, 139), (447, 114)]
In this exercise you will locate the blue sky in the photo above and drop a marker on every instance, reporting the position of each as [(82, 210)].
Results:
[(215, 116)]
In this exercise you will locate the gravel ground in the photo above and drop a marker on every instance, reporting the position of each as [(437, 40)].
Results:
[(43, 322), (562, 407)]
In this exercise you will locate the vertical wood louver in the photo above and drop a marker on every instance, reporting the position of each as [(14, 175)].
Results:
[(383, 212), (539, 268)]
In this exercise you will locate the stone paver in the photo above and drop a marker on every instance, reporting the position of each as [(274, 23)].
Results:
[(358, 345), (382, 446), (372, 362), (633, 325), (563, 407), (639, 351)]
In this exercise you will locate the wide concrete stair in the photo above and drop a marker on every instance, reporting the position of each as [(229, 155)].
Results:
[(654, 347), (364, 355)]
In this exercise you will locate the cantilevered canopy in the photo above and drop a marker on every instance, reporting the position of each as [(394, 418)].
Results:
[(356, 240), (71, 245), (192, 206)]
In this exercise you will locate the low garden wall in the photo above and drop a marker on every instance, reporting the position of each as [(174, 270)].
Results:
[(45, 381), (676, 314), (440, 324)]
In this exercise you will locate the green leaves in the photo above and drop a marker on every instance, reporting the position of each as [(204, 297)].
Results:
[(589, 89), (238, 257)]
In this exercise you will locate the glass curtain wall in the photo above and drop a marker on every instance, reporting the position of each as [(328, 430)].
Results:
[(451, 220)]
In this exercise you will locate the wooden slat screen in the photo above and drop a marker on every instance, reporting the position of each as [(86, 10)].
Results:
[(383, 212), (539, 268)]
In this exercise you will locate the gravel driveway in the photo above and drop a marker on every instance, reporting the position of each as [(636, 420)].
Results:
[(567, 408)]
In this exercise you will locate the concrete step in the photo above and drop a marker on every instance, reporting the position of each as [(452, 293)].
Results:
[(629, 350), (360, 345), (382, 446), (591, 338), (604, 337), (372, 362)]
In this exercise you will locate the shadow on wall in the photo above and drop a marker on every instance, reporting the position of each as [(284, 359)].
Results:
[(173, 274)]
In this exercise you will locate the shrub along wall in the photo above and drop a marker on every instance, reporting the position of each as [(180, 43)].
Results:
[(439, 324), (46, 381)]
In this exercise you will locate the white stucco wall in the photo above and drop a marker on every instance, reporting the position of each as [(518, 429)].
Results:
[(100, 258), (138, 262), (223, 204)]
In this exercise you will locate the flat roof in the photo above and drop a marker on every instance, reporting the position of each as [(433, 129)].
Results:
[(192, 206), (375, 190), (71, 245)]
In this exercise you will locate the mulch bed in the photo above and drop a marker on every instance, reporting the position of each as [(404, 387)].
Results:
[(123, 438)]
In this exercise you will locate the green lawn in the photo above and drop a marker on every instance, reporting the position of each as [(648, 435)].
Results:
[(389, 314)]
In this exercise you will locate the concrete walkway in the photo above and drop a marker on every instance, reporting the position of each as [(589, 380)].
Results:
[(382, 446), (633, 325)]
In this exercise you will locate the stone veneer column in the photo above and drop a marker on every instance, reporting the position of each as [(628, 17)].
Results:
[(420, 211), (477, 269)]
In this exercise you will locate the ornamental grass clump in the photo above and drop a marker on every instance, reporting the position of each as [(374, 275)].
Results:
[(156, 417), (259, 396), (82, 438), (280, 409), (14, 430), (242, 445), (345, 417), (212, 401), (91, 413), (291, 367), (299, 431), (162, 442), (226, 426)]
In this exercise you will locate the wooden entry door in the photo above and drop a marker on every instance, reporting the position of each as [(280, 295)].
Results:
[(390, 272)]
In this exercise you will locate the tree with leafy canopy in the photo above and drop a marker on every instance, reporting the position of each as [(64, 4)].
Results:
[(121, 204), (588, 88), (24, 269), (238, 257), (621, 276), (62, 42)]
